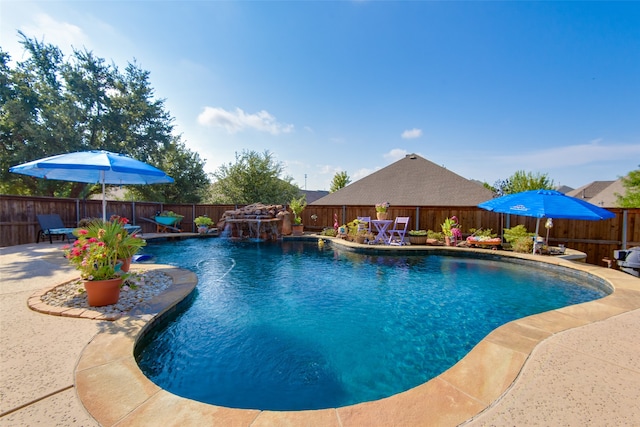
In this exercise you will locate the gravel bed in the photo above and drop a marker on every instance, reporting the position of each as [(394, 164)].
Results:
[(138, 287)]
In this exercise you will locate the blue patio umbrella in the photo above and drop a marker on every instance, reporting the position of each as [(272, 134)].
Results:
[(95, 167), (546, 204)]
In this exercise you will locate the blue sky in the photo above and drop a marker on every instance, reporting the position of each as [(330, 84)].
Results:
[(482, 88)]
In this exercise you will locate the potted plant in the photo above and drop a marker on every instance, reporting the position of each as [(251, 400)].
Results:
[(203, 223), (451, 231), (95, 255), (297, 206), (355, 232), (381, 210), (129, 245), (418, 237)]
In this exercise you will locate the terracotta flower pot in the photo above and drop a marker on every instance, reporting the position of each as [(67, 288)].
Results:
[(126, 264), (297, 229), (103, 292), (382, 215)]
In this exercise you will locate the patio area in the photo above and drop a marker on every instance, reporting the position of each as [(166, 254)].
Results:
[(578, 365)]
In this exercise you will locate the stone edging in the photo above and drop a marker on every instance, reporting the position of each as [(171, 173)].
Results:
[(114, 390)]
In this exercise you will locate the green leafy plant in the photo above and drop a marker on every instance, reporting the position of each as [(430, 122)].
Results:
[(130, 244), (171, 214), (523, 245), (382, 207), (297, 206), (483, 232), (451, 228), (417, 232), (519, 238), (514, 233), (96, 252), (203, 221), (436, 235), (330, 232)]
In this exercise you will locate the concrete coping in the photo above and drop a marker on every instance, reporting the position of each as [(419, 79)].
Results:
[(114, 390)]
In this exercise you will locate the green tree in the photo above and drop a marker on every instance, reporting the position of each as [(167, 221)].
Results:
[(50, 107), (631, 197), (522, 181), (253, 178), (340, 180)]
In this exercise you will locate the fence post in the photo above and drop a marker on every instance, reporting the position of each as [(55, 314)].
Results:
[(624, 229), (417, 218)]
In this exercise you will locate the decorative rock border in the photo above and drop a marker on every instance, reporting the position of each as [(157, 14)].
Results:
[(74, 304)]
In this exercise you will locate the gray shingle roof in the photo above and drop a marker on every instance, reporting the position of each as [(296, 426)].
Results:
[(600, 193), (411, 181)]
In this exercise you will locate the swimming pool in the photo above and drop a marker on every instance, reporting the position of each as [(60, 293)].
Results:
[(288, 326)]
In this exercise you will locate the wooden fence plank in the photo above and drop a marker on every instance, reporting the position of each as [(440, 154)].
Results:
[(19, 225)]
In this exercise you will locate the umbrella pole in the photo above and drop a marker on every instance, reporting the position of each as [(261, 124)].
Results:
[(104, 200), (535, 238)]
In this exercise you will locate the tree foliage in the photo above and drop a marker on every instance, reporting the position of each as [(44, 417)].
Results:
[(49, 106), (340, 180), (521, 181), (631, 197), (253, 178)]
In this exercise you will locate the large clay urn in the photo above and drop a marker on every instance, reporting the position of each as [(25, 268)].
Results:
[(102, 292), (286, 222)]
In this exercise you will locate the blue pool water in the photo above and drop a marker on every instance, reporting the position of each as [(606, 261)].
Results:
[(290, 326)]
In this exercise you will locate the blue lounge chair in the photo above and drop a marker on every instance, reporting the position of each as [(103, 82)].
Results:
[(52, 225)]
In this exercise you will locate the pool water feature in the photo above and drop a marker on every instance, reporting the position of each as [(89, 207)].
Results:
[(290, 326)]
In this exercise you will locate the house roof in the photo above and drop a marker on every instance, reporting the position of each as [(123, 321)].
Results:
[(313, 195), (411, 181), (564, 189), (600, 193)]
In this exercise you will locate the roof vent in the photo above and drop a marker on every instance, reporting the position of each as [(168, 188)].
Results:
[(412, 156)]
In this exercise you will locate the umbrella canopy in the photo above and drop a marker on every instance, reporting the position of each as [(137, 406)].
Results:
[(95, 167), (546, 204)]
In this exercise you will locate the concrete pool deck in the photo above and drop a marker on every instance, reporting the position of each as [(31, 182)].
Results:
[(578, 365)]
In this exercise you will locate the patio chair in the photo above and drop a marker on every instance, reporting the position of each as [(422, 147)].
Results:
[(398, 232), (52, 225)]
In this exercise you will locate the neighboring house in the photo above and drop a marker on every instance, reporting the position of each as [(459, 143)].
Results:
[(313, 195), (411, 181), (564, 189), (600, 193)]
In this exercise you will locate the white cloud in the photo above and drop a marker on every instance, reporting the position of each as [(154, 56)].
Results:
[(61, 34), (395, 154), (412, 133), (575, 155), (238, 120)]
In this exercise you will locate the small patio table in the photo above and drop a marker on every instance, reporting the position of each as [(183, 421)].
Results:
[(382, 225)]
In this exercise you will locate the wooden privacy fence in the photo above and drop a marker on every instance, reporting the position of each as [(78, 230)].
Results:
[(598, 239)]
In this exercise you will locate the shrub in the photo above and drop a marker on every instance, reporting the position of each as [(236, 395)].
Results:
[(435, 235), (523, 245), (514, 233), (331, 232)]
